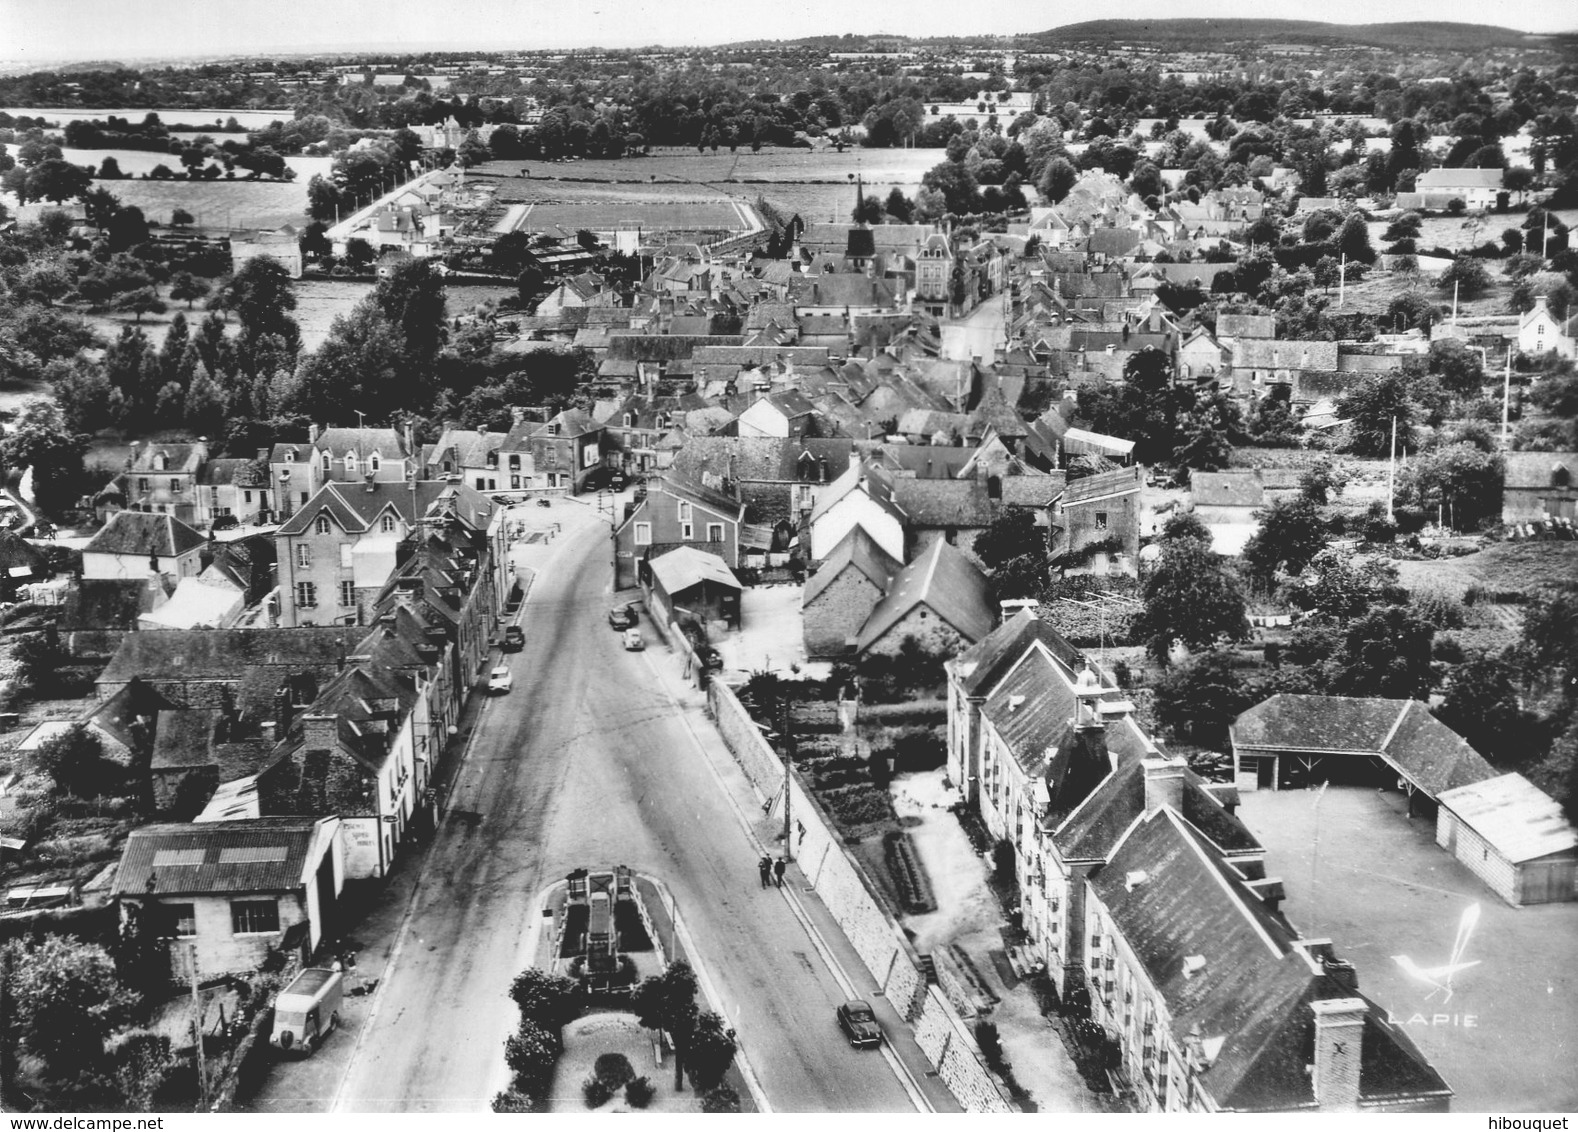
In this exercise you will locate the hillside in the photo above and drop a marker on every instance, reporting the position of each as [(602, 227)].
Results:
[(1219, 34)]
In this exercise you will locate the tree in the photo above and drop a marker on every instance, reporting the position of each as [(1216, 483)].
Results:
[(1185, 525), (1190, 596), (1199, 699), (552, 1001), (1291, 533), (1458, 367), (57, 181), (127, 228), (1371, 407), (187, 288), (1353, 239), (323, 199), (1461, 480), (262, 296), (1012, 534), (530, 1053), (359, 254), (1481, 704), (1060, 176), (1207, 433), (1386, 653), (412, 298), (360, 363), (181, 218), (1548, 651), (473, 150), (899, 206), (712, 1050), (868, 210), (66, 1001), (41, 440), (668, 1002), (144, 300), (71, 759), (1465, 276), (1323, 481)]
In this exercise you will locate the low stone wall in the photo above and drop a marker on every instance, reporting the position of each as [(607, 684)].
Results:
[(843, 887)]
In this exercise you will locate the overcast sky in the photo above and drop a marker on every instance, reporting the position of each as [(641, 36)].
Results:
[(47, 30)]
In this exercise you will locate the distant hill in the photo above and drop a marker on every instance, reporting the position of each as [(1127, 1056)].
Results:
[(1223, 34)]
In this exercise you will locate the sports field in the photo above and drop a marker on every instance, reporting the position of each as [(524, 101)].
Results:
[(649, 216)]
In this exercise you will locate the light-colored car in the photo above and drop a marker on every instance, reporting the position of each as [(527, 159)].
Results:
[(500, 680), (307, 1010), (633, 641)]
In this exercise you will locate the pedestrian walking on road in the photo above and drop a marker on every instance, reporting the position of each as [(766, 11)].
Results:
[(765, 868), (778, 871)]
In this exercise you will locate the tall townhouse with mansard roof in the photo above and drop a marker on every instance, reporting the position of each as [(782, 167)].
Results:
[(1148, 901), (336, 455), (336, 551)]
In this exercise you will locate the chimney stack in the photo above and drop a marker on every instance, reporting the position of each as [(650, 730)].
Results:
[(1339, 1032), (312, 434), (1164, 783), (320, 732)]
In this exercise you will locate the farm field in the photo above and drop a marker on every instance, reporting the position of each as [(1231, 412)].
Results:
[(218, 204), (136, 162), (319, 301), (194, 119), (1500, 567)]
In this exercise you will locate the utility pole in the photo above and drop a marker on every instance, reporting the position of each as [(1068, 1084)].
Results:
[(788, 777), (197, 1031), (1506, 402), (1342, 281), (1391, 470)]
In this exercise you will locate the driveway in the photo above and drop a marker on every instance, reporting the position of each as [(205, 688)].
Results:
[(588, 761), (1359, 872)]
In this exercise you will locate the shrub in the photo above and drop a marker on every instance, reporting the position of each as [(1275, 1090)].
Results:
[(1439, 608), (720, 1099), (613, 1070), (596, 1092), (511, 1101), (639, 1092)]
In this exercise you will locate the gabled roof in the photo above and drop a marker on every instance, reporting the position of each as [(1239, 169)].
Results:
[(361, 442), (747, 458), (258, 855), (1541, 470), (185, 738), (944, 503), (979, 667), (1520, 820), (1103, 485), (1440, 179), (685, 566), (943, 580), (226, 654), (694, 492), (145, 535), (1246, 326), (857, 550), (1403, 732), (865, 477), (354, 507)]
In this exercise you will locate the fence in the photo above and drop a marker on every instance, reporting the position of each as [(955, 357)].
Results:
[(841, 884)]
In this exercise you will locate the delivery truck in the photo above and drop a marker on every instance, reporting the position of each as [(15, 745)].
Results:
[(307, 1010)]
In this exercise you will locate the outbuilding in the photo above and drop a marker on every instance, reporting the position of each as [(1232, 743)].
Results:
[(687, 580), (1513, 836)]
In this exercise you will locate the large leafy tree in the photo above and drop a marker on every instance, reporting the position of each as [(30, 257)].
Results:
[(261, 296), (66, 1001), (668, 1002), (42, 441), (552, 1001), (1461, 480), (412, 300), (359, 366), (1371, 407), (1481, 704), (1191, 596), (1291, 533), (1198, 699), (1143, 409), (1385, 653)]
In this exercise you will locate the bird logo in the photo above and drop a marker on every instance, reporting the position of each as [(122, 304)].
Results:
[(1440, 978)]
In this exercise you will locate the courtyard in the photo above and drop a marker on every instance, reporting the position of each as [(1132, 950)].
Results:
[(1359, 872)]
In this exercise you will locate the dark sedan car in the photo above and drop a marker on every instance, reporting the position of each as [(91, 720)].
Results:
[(859, 1024), (622, 617)]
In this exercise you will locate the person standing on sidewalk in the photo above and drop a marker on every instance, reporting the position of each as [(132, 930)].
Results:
[(778, 871), (765, 868)]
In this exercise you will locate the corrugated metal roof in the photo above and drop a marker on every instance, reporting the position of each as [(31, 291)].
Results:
[(1519, 819), (257, 855)]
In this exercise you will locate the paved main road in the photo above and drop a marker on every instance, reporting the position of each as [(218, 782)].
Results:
[(588, 762), (978, 334)]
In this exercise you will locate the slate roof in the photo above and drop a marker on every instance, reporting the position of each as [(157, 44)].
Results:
[(1249, 1003), (1032, 710), (256, 855), (184, 738), (1520, 820), (931, 503), (856, 550), (846, 289), (1438, 180), (355, 507), (1091, 830), (943, 580), (1269, 353), (143, 534), (226, 654), (979, 667), (1540, 470), (874, 481), (1403, 732), (752, 458), (363, 442)]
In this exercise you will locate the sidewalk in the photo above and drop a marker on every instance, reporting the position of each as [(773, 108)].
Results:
[(848, 969)]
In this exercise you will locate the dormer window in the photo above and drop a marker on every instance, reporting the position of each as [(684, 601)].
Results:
[(160, 462), (630, 420), (350, 463), (387, 525), (290, 456), (372, 461), (553, 428), (327, 463)]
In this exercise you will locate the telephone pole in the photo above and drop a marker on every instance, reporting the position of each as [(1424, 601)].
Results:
[(197, 1032)]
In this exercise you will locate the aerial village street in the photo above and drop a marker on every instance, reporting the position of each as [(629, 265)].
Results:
[(588, 761)]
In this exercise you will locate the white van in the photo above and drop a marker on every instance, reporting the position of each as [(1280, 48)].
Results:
[(307, 1010)]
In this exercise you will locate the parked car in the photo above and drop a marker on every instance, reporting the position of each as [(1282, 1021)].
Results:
[(307, 1010), (633, 641), (859, 1023), (514, 638), (622, 617), (499, 680)]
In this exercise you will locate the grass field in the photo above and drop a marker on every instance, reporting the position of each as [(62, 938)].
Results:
[(195, 119), (218, 204), (1504, 566)]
